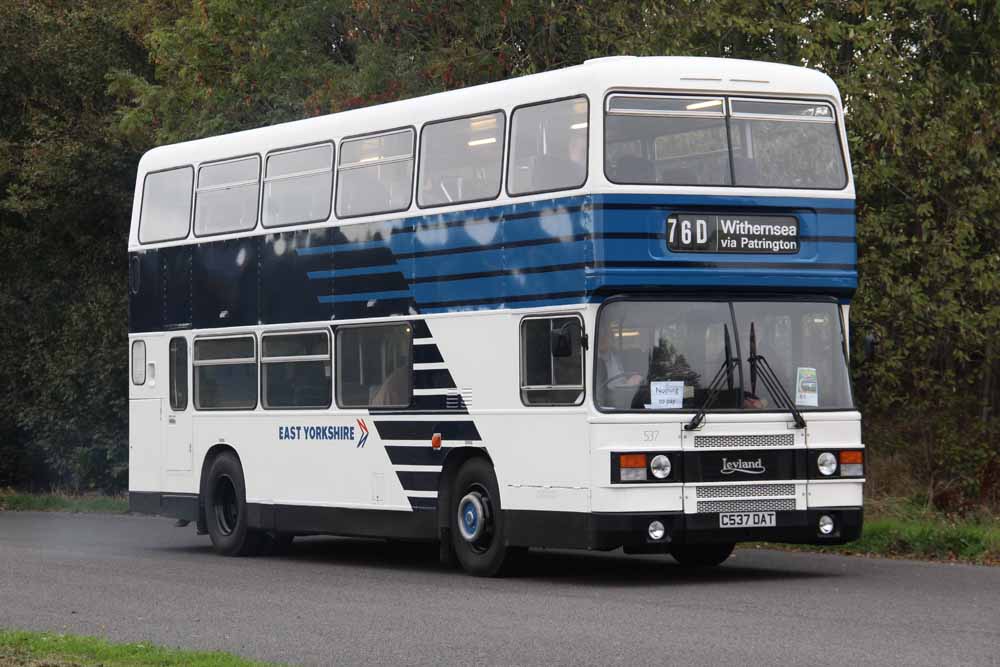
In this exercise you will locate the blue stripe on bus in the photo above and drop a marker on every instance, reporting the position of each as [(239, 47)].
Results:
[(361, 271), (341, 247), (529, 255), (363, 296), (546, 248), (500, 286)]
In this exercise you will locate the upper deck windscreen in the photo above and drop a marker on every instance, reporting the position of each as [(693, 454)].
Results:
[(718, 141)]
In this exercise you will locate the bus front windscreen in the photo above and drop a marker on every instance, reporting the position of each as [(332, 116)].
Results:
[(664, 355)]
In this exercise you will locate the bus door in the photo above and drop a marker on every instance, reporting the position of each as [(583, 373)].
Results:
[(177, 411)]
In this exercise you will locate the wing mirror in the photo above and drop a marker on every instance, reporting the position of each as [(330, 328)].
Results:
[(562, 339)]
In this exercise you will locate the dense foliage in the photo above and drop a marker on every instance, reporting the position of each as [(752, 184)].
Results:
[(85, 87)]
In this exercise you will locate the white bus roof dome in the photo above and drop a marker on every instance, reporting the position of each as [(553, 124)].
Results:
[(609, 59)]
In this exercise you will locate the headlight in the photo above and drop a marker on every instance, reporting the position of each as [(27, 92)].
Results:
[(826, 524), (660, 466), (827, 463)]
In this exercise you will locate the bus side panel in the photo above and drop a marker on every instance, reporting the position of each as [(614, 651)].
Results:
[(146, 411), (538, 452), (144, 444), (295, 459)]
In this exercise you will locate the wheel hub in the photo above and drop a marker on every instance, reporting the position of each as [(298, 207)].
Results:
[(472, 516)]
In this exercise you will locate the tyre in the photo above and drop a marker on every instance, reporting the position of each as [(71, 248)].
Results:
[(226, 509), (477, 530), (701, 555)]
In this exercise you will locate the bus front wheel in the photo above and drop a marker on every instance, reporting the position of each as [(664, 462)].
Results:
[(226, 509), (701, 555), (477, 532)]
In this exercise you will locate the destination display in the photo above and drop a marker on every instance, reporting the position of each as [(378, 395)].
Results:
[(732, 233)]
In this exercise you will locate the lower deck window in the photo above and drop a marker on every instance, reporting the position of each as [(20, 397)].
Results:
[(178, 374), (374, 366), (139, 362), (225, 373), (295, 370), (552, 361)]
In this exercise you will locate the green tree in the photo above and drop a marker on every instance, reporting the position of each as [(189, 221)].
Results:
[(64, 211), (226, 65)]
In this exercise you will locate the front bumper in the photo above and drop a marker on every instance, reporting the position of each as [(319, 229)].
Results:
[(606, 531)]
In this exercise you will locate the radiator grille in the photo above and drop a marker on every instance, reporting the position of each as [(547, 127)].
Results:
[(746, 491), (772, 505), (762, 440)]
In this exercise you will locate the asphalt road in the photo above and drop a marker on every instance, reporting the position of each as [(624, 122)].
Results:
[(338, 601)]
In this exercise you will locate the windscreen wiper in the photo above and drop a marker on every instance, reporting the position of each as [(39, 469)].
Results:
[(760, 368), (725, 372)]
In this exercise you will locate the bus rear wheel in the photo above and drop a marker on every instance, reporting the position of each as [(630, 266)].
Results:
[(701, 555), (226, 509), (477, 531)]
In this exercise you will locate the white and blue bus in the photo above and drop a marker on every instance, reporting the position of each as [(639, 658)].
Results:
[(596, 308)]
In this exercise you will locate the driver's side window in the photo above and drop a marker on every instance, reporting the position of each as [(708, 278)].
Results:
[(552, 360)]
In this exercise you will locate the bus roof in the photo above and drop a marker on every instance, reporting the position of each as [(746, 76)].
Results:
[(594, 78)]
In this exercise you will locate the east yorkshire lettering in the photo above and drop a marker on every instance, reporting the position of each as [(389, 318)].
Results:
[(315, 433)]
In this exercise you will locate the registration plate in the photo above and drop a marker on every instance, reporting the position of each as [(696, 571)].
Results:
[(747, 520)]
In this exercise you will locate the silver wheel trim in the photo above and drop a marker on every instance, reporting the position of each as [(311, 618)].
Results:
[(476, 501)]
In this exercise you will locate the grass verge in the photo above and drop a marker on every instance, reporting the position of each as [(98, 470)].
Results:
[(903, 528), (61, 502), (44, 649)]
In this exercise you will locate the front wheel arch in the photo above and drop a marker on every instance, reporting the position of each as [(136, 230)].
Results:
[(480, 542), (454, 460)]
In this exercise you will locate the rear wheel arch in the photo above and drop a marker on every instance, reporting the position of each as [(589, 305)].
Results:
[(206, 463), (227, 512)]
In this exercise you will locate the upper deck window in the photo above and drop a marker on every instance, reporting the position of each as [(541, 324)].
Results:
[(298, 186), (716, 141), (461, 160), (226, 199), (548, 147), (375, 174), (782, 144), (166, 205), (667, 141)]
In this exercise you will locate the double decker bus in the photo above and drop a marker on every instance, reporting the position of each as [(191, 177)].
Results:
[(595, 308)]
